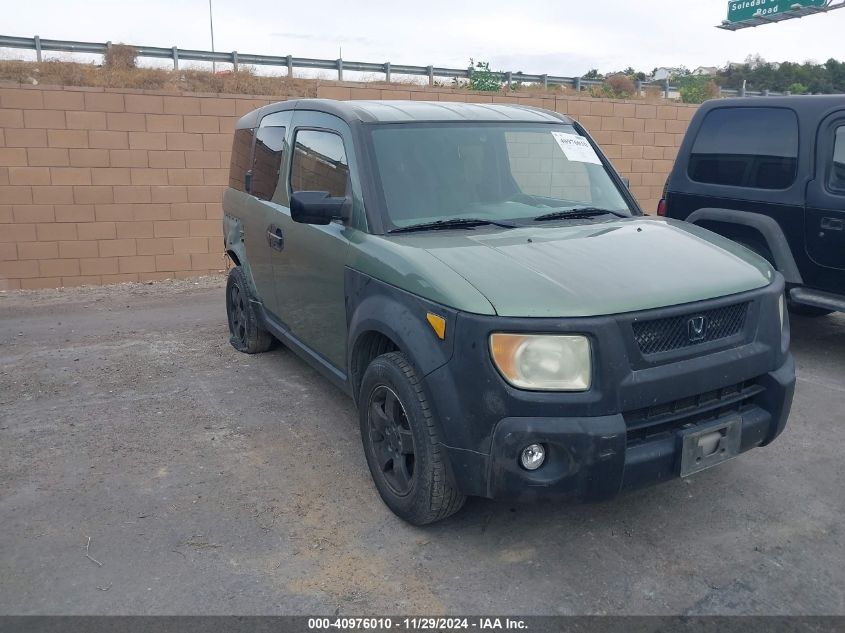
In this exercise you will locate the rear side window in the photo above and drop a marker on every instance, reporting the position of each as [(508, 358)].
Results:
[(319, 163), (746, 147), (837, 173), (241, 156), (267, 161)]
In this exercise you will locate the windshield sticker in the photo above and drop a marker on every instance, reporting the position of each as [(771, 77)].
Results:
[(576, 148)]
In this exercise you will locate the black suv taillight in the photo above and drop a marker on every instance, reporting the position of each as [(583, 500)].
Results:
[(662, 205)]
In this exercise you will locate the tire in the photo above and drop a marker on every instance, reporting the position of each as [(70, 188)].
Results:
[(247, 333), (401, 443)]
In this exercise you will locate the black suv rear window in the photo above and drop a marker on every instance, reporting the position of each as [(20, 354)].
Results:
[(746, 147)]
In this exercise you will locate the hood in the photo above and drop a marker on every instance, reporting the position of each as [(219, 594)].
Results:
[(597, 268)]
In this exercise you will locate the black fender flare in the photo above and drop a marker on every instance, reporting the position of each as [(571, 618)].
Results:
[(233, 243), (375, 306), (769, 230)]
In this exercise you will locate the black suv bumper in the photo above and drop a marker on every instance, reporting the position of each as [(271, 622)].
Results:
[(593, 458), (627, 430)]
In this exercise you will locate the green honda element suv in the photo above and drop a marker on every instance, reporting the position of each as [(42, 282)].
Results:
[(480, 281)]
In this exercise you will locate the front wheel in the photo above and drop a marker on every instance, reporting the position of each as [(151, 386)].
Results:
[(401, 443)]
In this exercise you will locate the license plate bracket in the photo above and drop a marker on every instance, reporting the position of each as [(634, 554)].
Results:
[(705, 447)]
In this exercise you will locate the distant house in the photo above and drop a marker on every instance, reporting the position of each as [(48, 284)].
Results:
[(663, 73), (705, 71)]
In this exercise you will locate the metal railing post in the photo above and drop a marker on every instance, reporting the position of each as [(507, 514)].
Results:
[(289, 63), (430, 70), (339, 69), (37, 48), (235, 61), (387, 71), (175, 58)]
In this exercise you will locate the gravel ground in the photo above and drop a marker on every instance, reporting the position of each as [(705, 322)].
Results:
[(211, 482)]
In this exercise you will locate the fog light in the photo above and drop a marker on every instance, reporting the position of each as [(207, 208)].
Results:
[(532, 456)]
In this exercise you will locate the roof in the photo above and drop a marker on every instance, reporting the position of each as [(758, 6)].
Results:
[(408, 111), (807, 105)]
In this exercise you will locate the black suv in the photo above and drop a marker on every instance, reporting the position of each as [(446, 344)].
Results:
[(769, 173)]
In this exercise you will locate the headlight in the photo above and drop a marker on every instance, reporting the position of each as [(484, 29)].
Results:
[(543, 362), (781, 310)]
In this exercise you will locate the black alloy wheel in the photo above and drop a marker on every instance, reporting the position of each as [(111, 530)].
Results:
[(391, 439)]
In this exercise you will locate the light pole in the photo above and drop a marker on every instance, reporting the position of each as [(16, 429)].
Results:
[(211, 25)]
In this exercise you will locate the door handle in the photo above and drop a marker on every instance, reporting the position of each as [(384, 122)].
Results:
[(832, 224), (275, 237)]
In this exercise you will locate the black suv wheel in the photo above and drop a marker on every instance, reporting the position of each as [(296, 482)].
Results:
[(247, 333), (401, 443)]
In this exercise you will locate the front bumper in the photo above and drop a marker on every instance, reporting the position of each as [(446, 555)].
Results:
[(591, 459), (624, 432)]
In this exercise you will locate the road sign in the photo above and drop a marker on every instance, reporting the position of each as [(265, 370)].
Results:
[(741, 10)]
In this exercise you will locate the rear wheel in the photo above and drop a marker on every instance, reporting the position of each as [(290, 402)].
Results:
[(248, 334), (401, 443)]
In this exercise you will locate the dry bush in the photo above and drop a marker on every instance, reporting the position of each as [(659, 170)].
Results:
[(246, 81), (621, 84), (58, 73), (615, 87), (120, 57)]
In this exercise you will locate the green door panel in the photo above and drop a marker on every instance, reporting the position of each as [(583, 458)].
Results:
[(310, 276), (257, 216), (310, 286)]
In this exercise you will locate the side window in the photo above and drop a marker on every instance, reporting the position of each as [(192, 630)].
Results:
[(837, 172), (267, 161), (319, 163), (241, 154), (746, 147)]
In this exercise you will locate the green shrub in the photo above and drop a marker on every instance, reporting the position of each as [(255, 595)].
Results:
[(697, 89), (482, 78)]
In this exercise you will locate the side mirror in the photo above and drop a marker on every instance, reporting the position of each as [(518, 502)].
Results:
[(317, 207), (626, 180)]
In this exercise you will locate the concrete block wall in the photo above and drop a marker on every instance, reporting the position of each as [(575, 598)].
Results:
[(101, 186)]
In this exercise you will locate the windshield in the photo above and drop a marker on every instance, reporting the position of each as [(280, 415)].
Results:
[(500, 172)]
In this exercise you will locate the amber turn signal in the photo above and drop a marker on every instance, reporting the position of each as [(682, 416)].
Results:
[(438, 324)]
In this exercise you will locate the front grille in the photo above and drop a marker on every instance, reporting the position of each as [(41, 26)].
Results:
[(677, 332), (710, 405)]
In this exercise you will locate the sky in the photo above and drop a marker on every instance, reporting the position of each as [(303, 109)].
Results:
[(558, 38)]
